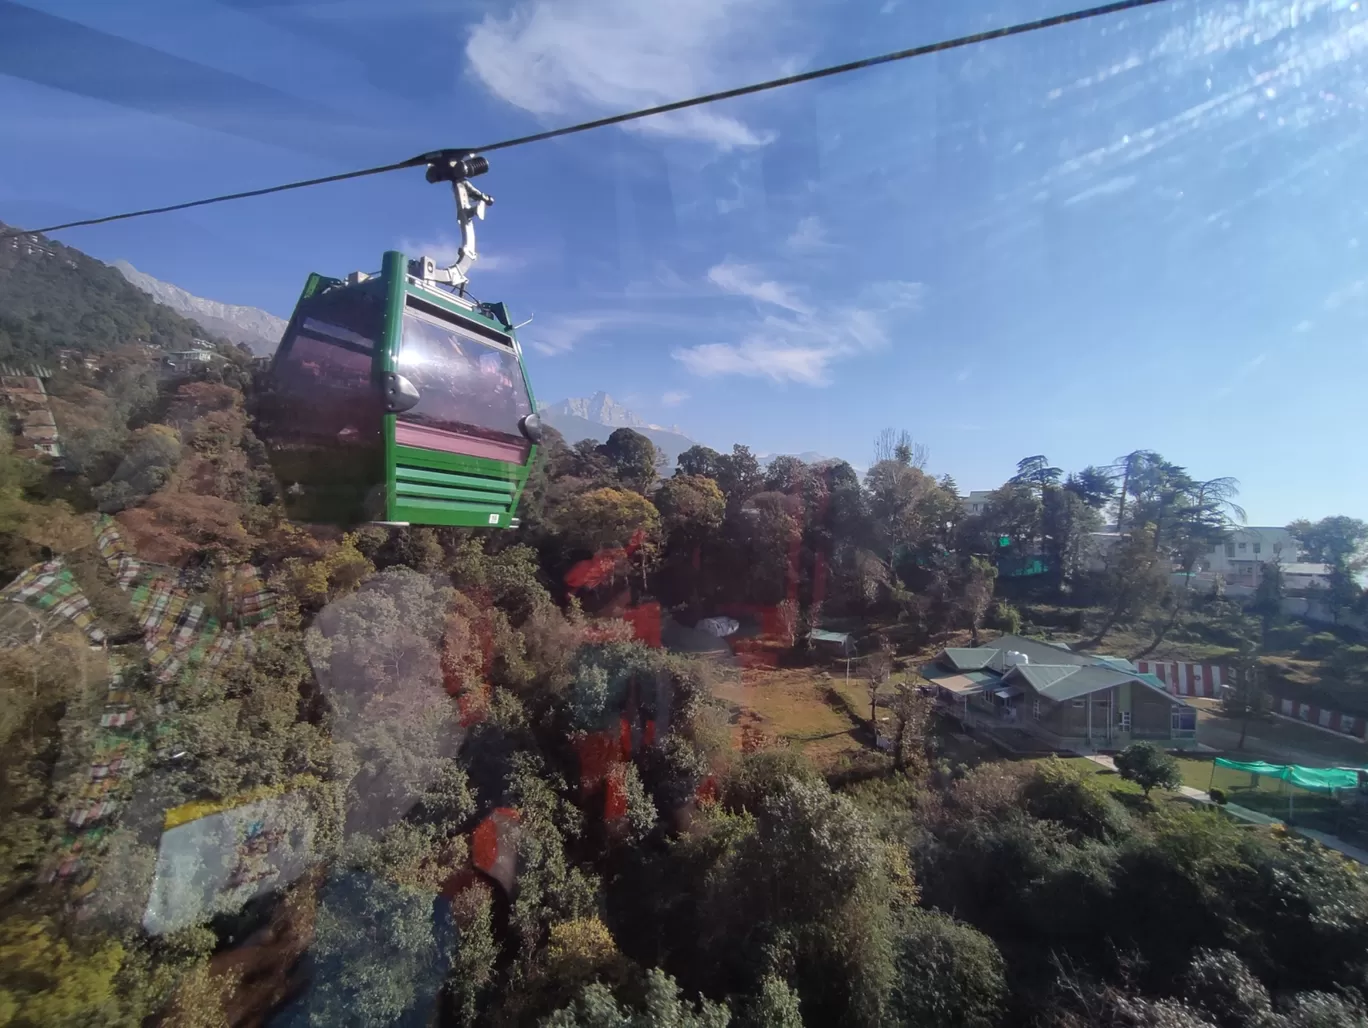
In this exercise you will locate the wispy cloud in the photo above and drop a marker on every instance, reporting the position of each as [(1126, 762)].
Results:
[(963, 374), (1111, 187), (1241, 373), (568, 58), (673, 398), (804, 347), (809, 237), (561, 335), (747, 280)]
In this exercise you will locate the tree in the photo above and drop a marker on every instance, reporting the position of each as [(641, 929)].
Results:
[(878, 669), (691, 507), (1129, 468), (1149, 767), (949, 975), (663, 1007), (1339, 541), (898, 446), (1093, 485), (1341, 591), (1135, 580), (700, 460), (911, 715), (1067, 523), (1268, 598), (1013, 513), (611, 519), (776, 1005), (978, 592), (378, 955), (632, 457), (1207, 515), (738, 476), (1220, 985), (910, 511), (1036, 472)]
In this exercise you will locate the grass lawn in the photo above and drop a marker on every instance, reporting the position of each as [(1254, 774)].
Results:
[(798, 707), (1195, 774)]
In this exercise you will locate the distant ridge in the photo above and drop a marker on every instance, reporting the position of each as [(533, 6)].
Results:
[(249, 325), (596, 416)]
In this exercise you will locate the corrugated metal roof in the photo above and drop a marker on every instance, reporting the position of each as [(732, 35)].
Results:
[(1041, 652), (1085, 680), (1121, 663), (1042, 676), (966, 658), (821, 635), (962, 685)]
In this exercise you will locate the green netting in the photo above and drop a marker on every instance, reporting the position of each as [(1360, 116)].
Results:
[(1313, 779)]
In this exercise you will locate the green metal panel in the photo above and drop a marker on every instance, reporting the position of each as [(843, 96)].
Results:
[(430, 486), (393, 269)]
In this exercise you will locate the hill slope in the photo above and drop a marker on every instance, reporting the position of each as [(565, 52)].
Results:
[(53, 298), (241, 324)]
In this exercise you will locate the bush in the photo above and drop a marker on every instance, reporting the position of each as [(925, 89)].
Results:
[(949, 975), (1004, 617), (1055, 792), (1218, 797), (1319, 646), (1148, 766)]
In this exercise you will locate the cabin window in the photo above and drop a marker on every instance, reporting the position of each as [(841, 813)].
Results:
[(326, 360), (1035, 709), (466, 384), (1125, 721)]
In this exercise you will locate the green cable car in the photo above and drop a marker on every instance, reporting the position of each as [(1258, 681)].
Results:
[(396, 398)]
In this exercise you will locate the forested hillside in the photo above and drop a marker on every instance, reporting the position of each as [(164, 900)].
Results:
[(53, 297), (257, 773)]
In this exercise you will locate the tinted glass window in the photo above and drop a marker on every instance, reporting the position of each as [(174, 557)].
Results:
[(324, 370), (465, 384)]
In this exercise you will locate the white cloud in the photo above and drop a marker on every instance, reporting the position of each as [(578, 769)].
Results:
[(809, 237), (673, 398), (746, 280), (570, 58), (443, 250), (803, 348), (759, 358), (563, 334)]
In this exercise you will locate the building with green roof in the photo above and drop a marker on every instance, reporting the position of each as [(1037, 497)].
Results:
[(1069, 700)]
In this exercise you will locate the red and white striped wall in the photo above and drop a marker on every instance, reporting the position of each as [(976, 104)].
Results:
[(1345, 724), (1185, 679)]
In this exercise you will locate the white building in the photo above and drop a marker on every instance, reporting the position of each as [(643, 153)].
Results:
[(976, 501), (1240, 557)]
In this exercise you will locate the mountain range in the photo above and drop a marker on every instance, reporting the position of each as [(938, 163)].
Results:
[(249, 325), (596, 416)]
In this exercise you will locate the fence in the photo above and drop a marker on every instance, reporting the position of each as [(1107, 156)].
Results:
[(1184, 679), (1345, 724)]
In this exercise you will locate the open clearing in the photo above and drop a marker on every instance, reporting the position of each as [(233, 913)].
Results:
[(797, 706)]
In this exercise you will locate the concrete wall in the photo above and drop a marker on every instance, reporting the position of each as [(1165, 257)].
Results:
[(1151, 714), (1239, 550)]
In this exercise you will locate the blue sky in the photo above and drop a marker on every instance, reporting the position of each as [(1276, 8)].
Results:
[(1147, 231)]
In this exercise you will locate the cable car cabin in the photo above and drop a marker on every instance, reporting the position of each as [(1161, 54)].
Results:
[(393, 400)]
